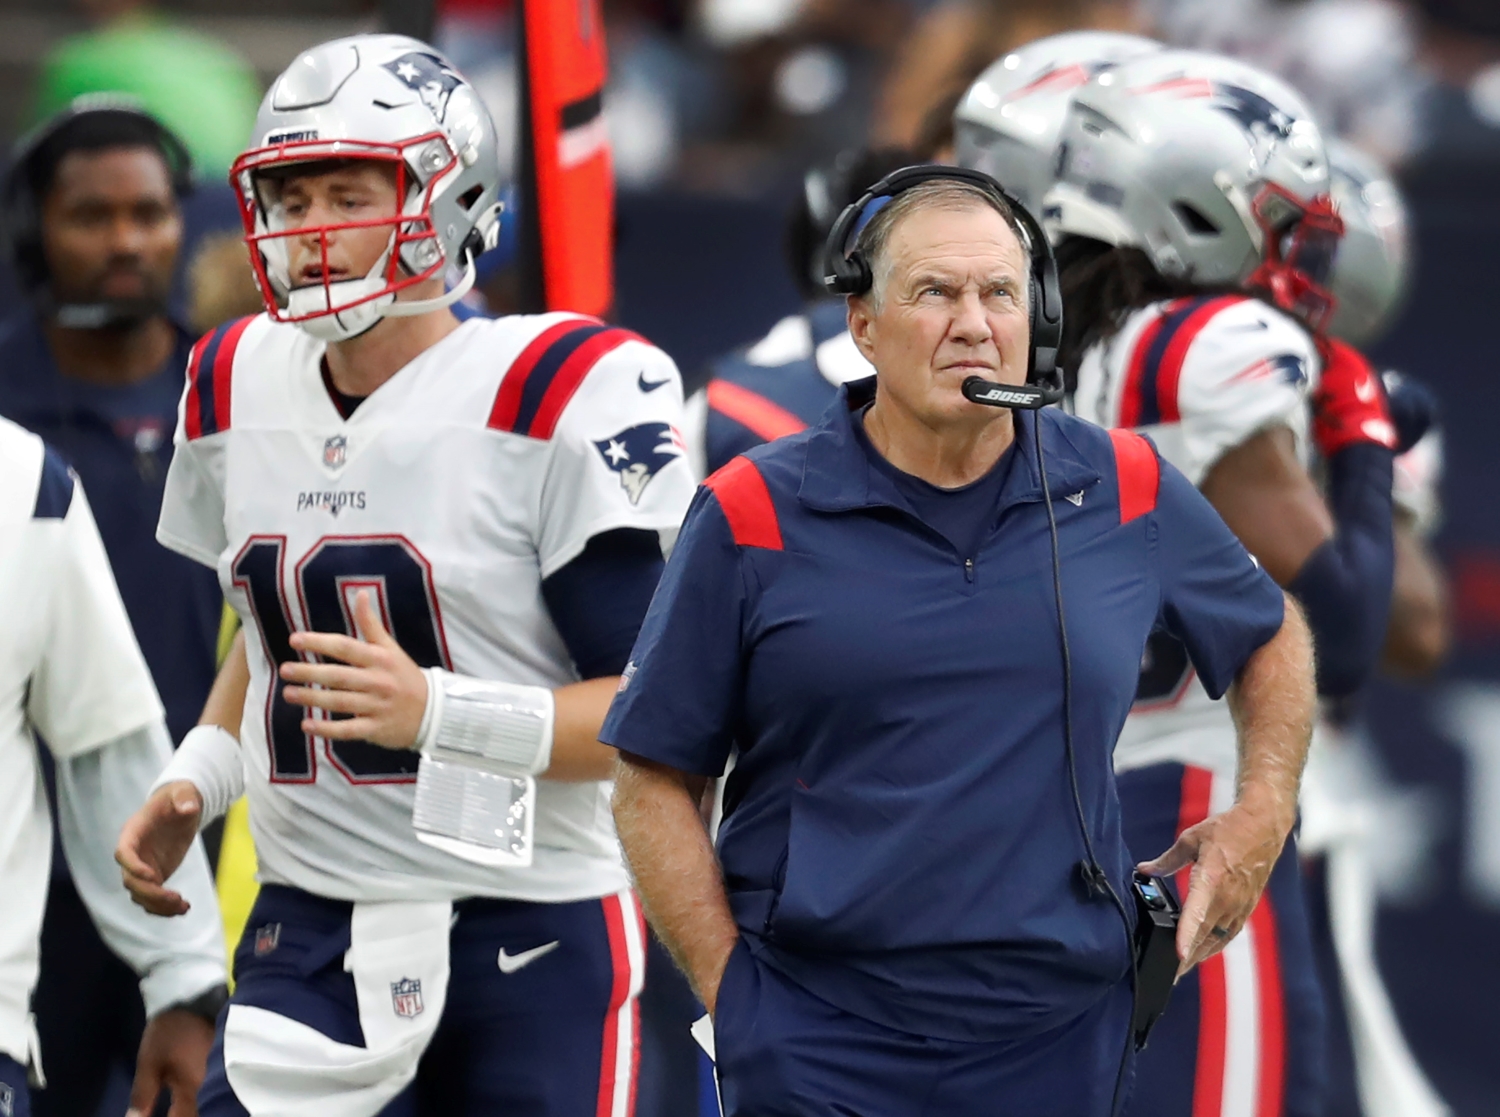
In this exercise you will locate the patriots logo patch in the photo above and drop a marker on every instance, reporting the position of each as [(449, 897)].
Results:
[(639, 453), (429, 76)]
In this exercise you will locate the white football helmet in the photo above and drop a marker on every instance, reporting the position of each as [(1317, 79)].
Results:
[(1371, 269), (379, 97), (1008, 122), (1214, 168)]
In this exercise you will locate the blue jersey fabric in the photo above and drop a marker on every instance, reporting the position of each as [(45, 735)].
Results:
[(899, 834), (119, 441), (796, 387)]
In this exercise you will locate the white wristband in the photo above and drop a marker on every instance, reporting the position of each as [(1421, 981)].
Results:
[(496, 725), (209, 759)]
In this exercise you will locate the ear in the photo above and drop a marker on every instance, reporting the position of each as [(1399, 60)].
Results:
[(862, 325)]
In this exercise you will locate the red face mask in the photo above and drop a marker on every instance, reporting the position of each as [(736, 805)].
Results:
[(414, 254), (1302, 239)]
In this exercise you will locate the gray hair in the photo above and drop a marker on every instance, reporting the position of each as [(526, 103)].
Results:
[(940, 193)]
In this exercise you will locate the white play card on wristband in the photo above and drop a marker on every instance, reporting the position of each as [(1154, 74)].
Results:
[(467, 808)]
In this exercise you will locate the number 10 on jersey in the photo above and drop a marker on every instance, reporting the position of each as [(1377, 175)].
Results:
[(325, 582)]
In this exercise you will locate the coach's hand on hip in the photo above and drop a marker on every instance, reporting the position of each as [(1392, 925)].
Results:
[(1232, 854)]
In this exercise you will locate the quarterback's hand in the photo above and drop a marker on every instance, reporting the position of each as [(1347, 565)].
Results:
[(1350, 404), (375, 682), (174, 1053), (1232, 855), (153, 843)]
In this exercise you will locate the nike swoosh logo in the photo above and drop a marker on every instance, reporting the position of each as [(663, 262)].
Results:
[(1247, 327), (510, 963), (650, 385)]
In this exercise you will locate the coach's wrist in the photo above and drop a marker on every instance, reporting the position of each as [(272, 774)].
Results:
[(1272, 806)]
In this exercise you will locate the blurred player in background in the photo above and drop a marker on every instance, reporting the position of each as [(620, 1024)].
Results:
[(1006, 125), (72, 676), (1340, 790), (787, 379), (92, 362), (1196, 238), (438, 535)]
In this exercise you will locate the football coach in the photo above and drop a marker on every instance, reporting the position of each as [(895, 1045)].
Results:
[(920, 623)]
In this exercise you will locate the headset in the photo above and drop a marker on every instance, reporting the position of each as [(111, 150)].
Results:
[(21, 209), (847, 272)]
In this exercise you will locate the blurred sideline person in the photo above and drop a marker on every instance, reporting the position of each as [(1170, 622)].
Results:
[(198, 85), (440, 536), (1338, 799), (72, 678), (92, 362), (787, 379), (1006, 124), (1196, 237)]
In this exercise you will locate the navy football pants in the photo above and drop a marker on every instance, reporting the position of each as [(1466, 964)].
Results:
[(555, 1038), (1244, 1033), (784, 1053)]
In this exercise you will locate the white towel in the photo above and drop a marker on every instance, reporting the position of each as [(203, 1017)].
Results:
[(398, 957)]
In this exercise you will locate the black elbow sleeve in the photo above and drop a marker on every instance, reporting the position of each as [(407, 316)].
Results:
[(1345, 585)]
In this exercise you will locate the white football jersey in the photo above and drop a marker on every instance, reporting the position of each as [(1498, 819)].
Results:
[(1199, 376), (69, 668), (478, 470)]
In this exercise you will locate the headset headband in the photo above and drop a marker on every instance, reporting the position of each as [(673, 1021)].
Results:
[(847, 272)]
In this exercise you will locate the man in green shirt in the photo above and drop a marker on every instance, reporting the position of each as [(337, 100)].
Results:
[(200, 88)]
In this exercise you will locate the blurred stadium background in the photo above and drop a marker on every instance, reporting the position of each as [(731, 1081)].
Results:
[(715, 110)]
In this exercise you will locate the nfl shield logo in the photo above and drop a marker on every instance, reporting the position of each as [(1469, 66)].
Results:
[(333, 451), (406, 997), (267, 939)]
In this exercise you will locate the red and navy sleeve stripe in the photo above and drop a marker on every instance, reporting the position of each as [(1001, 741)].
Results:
[(1150, 393), (209, 371), (548, 372)]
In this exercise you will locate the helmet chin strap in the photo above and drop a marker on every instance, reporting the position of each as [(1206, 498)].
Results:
[(446, 299)]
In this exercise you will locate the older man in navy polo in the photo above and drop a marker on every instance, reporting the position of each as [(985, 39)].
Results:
[(895, 922)]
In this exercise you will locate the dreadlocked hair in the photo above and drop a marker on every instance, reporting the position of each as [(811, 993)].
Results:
[(1102, 285)]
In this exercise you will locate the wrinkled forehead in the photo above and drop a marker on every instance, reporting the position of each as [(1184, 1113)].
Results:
[(956, 239)]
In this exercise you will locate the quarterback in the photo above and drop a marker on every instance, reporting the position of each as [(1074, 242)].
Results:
[(441, 538)]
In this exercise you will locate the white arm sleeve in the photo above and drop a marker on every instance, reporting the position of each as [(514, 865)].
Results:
[(177, 959), (617, 457), (209, 759)]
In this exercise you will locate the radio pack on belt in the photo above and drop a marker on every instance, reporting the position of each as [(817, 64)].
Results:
[(1157, 914)]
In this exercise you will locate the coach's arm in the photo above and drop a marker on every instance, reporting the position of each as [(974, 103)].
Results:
[(676, 873), (1232, 854)]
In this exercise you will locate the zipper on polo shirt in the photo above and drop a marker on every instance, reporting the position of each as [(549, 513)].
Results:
[(968, 569)]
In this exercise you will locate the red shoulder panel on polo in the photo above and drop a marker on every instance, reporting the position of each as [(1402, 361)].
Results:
[(747, 505), (1139, 472)]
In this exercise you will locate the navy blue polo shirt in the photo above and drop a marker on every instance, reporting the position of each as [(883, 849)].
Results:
[(119, 440), (899, 835)]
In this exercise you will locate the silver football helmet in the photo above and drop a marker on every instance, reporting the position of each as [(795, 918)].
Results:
[(1213, 168), (1371, 269), (1008, 122), (378, 97)]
